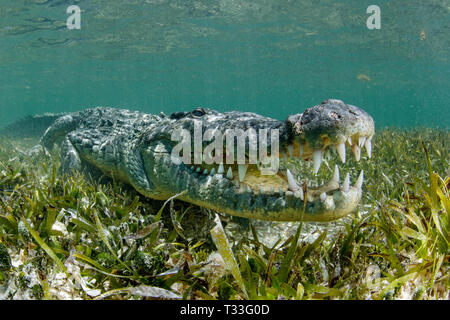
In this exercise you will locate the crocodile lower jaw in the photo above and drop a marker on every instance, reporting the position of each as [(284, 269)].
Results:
[(241, 190)]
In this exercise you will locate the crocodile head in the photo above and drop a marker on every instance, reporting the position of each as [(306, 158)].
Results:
[(240, 185)]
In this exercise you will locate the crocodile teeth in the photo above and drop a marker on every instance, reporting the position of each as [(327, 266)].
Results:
[(197, 170), (346, 185), (340, 148), (336, 174), (290, 149), (368, 146), (301, 150), (323, 196), (317, 159), (213, 171), (356, 151), (280, 191), (299, 194), (261, 189), (360, 180), (242, 170), (230, 173), (221, 169), (361, 141), (291, 181), (205, 172), (249, 190), (349, 140)]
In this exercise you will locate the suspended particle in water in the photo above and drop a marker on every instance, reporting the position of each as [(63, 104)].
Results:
[(363, 77), (423, 35)]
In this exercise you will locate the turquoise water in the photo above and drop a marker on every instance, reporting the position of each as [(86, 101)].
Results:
[(274, 57)]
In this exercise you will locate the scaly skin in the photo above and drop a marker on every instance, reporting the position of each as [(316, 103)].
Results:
[(136, 148)]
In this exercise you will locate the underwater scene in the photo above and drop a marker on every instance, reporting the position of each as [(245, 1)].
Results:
[(224, 150)]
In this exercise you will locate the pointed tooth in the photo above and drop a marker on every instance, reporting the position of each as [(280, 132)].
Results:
[(221, 169), (205, 172), (317, 159), (291, 181), (368, 146), (197, 170), (349, 140), (280, 191), (242, 170), (357, 152), (323, 196), (336, 174), (213, 171), (261, 189), (249, 190), (340, 148), (346, 185), (360, 180), (361, 141), (230, 173), (302, 147), (290, 149)]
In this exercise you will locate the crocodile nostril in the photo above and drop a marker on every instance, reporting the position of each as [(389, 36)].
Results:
[(335, 116)]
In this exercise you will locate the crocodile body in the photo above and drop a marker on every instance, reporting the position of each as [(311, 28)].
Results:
[(136, 148)]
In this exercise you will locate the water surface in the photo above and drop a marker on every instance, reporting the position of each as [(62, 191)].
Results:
[(274, 57)]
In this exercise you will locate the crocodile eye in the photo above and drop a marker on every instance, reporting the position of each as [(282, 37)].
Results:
[(198, 112)]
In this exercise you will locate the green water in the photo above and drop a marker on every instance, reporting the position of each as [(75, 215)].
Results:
[(274, 57)]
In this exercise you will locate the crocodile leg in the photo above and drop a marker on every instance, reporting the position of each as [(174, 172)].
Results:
[(70, 159), (58, 131)]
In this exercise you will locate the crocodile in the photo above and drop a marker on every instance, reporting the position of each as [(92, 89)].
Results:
[(137, 149)]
